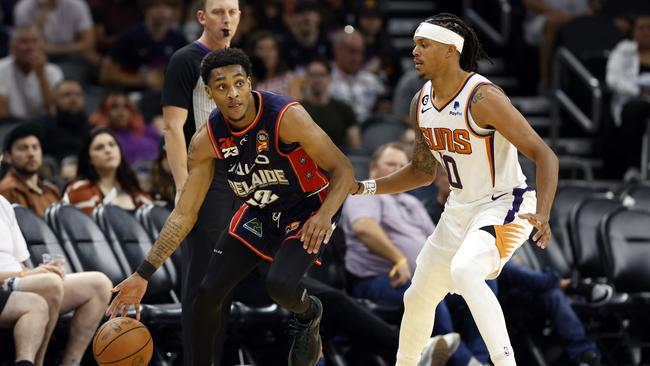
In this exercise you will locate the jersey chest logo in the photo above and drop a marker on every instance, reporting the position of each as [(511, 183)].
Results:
[(456, 141)]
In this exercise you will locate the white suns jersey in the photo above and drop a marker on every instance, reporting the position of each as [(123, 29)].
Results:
[(480, 162)]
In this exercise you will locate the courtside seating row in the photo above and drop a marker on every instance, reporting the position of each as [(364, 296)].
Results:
[(602, 233)]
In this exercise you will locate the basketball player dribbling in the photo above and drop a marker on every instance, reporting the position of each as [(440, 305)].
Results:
[(293, 180), (470, 127)]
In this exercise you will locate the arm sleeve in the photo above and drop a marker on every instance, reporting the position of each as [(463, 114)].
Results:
[(180, 79)]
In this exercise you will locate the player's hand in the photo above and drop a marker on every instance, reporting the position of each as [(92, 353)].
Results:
[(543, 235), (129, 292), (316, 231), (401, 276)]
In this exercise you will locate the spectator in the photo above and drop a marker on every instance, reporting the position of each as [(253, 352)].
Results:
[(305, 39), (85, 293), (21, 184), (350, 82), (380, 58), (139, 141), (69, 123), (542, 293), (66, 26), (26, 313), (26, 78), (104, 176), (545, 20), (138, 58), (628, 75), (384, 235), (162, 182), (335, 117), (275, 76), (111, 19)]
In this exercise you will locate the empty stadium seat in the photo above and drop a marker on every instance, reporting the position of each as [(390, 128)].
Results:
[(640, 195), (584, 225), (625, 238), (129, 240), (40, 239), (568, 195), (152, 218), (79, 234), (375, 134)]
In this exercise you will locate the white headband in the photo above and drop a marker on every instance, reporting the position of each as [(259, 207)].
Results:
[(440, 34)]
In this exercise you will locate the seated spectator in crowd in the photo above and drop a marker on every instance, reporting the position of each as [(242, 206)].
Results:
[(66, 27), (139, 141), (628, 75), (138, 58), (104, 176), (275, 76), (543, 24), (26, 78), (335, 117), (542, 293), (162, 181), (85, 293), (22, 184), (380, 58), (384, 235), (111, 19), (27, 314), (304, 40), (350, 83), (69, 125)]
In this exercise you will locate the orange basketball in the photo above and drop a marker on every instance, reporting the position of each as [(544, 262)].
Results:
[(123, 341)]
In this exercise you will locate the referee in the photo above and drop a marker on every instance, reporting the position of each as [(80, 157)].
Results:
[(186, 107)]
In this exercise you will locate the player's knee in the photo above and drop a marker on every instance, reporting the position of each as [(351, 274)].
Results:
[(281, 289), (463, 273)]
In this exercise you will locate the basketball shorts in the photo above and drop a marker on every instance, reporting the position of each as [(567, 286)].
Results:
[(498, 214), (264, 231), (4, 297)]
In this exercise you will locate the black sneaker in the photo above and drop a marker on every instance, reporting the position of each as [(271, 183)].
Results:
[(307, 346)]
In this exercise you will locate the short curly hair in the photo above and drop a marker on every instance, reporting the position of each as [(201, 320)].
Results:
[(224, 57)]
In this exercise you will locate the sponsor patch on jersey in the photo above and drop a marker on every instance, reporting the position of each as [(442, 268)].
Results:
[(254, 226), (291, 227), (262, 141)]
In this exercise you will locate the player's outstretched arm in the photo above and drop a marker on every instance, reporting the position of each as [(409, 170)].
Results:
[(178, 225), (421, 171), (491, 107), (297, 126)]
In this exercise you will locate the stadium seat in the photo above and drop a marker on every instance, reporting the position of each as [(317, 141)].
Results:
[(129, 240), (375, 134), (40, 239), (152, 218), (640, 195), (568, 195), (625, 238), (583, 226), (79, 234)]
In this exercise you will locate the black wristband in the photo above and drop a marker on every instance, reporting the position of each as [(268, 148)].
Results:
[(146, 270)]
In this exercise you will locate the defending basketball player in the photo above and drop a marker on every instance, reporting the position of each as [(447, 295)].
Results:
[(278, 163), (470, 127)]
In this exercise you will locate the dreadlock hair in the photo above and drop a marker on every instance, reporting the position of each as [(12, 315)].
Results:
[(472, 50)]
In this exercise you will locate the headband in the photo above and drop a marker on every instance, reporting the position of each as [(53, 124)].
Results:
[(440, 34)]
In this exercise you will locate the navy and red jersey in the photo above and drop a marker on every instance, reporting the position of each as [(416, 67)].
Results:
[(264, 172)]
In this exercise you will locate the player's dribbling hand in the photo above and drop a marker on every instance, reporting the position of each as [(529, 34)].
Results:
[(316, 231), (129, 292), (543, 235)]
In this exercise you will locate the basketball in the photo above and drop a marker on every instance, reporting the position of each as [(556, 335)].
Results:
[(123, 341)]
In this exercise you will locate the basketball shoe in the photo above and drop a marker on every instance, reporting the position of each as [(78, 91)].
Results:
[(307, 346)]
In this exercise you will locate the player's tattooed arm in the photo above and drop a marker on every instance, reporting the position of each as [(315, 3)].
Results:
[(182, 219), (422, 160)]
